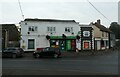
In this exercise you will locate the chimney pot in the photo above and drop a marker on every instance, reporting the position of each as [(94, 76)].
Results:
[(98, 21)]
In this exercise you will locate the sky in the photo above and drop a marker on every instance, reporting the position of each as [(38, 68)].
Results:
[(79, 10)]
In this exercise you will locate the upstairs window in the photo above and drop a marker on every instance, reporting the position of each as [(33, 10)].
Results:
[(51, 29), (102, 34), (106, 34), (69, 29), (32, 28)]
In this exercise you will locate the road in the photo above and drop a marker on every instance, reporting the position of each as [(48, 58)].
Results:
[(106, 64)]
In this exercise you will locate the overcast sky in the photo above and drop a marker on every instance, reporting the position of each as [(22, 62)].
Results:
[(78, 10)]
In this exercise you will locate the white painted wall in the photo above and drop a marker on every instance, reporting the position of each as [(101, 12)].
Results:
[(98, 45), (40, 35)]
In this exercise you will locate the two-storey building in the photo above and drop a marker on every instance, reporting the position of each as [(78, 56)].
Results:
[(40, 33), (86, 37), (101, 36)]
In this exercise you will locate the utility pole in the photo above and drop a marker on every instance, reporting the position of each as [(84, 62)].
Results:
[(6, 38), (0, 38)]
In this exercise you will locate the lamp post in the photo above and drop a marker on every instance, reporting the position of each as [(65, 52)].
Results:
[(0, 40)]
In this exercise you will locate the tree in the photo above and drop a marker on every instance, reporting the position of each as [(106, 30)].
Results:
[(115, 28)]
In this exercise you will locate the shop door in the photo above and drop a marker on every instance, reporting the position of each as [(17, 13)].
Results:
[(62, 45), (68, 45)]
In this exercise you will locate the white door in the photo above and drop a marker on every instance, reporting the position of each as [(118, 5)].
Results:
[(98, 45)]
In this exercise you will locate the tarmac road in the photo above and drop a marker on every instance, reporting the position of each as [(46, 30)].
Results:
[(106, 64)]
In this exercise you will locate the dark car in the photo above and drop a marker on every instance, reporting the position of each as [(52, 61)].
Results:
[(47, 52), (13, 52)]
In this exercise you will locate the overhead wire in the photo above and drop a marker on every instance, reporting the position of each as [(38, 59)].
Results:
[(98, 10), (21, 9)]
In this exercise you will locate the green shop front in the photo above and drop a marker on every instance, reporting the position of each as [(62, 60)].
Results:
[(65, 44)]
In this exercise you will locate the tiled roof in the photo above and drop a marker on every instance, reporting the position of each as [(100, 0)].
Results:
[(102, 28)]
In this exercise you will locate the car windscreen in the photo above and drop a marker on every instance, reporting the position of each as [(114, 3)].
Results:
[(9, 50)]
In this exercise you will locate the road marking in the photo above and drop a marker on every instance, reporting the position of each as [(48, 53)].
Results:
[(92, 72), (47, 60), (75, 60)]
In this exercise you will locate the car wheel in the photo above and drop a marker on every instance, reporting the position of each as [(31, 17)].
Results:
[(14, 56), (55, 55), (37, 55)]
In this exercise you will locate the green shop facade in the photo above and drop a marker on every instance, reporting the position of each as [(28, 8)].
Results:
[(84, 39), (65, 43)]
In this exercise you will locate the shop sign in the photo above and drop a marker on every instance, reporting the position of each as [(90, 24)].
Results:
[(86, 33)]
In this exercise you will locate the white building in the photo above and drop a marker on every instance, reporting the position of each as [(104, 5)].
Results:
[(119, 12), (40, 33)]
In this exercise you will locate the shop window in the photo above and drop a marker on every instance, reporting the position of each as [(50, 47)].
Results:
[(86, 45), (54, 43)]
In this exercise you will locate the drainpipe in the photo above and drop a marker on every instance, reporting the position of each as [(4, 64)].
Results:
[(6, 38)]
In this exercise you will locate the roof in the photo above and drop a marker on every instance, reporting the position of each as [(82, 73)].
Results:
[(52, 20), (13, 33), (7, 24), (102, 28)]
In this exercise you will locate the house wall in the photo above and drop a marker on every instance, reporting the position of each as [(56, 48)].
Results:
[(101, 35), (40, 35), (97, 32)]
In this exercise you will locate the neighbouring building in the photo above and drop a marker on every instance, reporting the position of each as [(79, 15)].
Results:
[(40, 33), (10, 35), (86, 37), (101, 36), (119, 12)]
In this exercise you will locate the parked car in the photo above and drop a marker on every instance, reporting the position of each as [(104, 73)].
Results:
[(47, 52), (13, 52)]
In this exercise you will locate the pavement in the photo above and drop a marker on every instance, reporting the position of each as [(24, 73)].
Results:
[(77, 54)]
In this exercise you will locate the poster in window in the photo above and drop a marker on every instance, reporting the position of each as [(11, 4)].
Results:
[(86, 45)]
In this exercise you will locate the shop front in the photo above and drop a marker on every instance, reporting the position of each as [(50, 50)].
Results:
[(65, 44), (87, 40)]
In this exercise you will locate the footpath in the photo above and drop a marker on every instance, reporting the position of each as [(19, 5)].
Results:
[(77, 54)]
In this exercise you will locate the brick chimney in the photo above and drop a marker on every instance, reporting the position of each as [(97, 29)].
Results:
[(98, 21)]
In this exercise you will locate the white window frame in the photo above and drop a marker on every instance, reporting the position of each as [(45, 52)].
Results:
[(69, 28), (51, 29), (35, 28)]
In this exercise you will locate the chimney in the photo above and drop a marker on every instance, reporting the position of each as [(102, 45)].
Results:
[(98, 21)]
